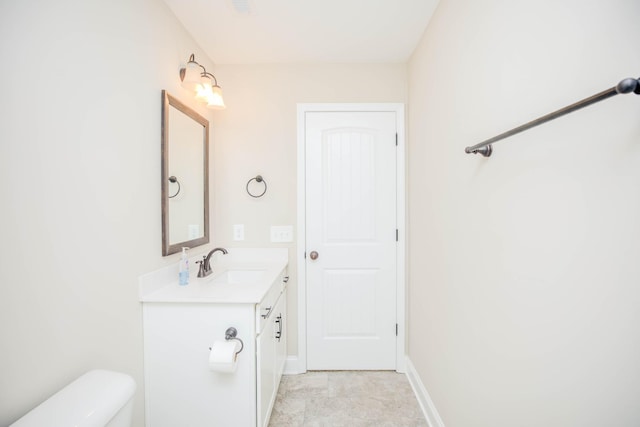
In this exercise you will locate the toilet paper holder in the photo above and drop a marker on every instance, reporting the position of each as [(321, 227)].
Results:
[(232, 334)]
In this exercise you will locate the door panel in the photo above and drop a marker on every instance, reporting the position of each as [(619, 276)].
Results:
[(349, 306), (351, 223)]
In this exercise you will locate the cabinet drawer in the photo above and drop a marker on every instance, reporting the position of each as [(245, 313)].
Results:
[(264, 310)]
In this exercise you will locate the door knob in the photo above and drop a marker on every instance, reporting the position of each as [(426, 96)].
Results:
[(313, 255)]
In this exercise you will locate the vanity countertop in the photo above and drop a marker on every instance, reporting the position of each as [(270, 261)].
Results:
[(264, 264)]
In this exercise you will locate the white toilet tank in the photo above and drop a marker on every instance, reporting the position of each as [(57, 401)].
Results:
[(99, 398)]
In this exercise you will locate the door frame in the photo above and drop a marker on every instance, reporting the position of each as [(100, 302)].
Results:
[(397, 108)]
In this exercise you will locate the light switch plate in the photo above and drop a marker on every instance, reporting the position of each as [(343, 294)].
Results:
[(238, 232), (282, 233)]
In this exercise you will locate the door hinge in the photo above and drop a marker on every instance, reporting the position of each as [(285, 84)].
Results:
[(396, 329), (396, 139), (396, 234)]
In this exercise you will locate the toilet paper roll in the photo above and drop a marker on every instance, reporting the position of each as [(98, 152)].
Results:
[(223, 357)]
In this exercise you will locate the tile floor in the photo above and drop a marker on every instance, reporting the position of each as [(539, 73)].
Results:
[(346, 398)]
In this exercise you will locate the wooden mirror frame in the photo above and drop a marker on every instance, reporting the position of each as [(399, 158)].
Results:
[(169, 248)]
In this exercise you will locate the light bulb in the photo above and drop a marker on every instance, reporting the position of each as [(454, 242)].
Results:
[(204, 90)]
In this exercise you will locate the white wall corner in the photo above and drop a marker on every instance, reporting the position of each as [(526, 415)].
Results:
[(428, 408), (292, 366)]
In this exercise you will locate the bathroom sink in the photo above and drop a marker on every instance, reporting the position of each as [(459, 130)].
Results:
[(237, 276)]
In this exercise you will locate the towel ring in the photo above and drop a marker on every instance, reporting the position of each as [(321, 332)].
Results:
[(258, 179), (173, 179)]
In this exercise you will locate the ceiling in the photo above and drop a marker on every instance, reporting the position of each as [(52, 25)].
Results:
[(285, 31)]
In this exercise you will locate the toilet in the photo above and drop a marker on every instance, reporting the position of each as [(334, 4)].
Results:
[(99, 398)]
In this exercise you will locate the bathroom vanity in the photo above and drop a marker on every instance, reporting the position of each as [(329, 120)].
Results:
[(247, 291)]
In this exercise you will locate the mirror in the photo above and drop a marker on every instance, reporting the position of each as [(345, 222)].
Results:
[(185, 176)]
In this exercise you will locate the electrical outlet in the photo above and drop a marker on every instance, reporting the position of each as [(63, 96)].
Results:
[(238, 232), (282, 233), (194, 231)]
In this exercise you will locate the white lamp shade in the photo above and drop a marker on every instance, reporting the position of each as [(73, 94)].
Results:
[(204, 91), (191, 78), (215, 100)]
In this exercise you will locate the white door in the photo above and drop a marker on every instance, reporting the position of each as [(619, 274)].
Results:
[(351, 227)]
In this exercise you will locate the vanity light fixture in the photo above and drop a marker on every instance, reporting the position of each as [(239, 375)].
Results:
[(196, 78)]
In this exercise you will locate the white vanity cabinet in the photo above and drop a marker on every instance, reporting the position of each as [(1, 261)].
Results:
[(180, 326), (271, 349)]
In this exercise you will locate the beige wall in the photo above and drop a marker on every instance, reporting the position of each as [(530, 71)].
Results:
[(80, 176), (524, 272), (80, 186), (523, 267), (256, 134)]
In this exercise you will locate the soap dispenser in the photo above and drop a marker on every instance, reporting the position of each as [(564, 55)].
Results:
[(183, 274)]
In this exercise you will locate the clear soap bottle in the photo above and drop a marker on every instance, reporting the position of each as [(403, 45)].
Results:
[(183, 274)]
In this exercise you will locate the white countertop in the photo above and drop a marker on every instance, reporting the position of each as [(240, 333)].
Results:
[(162, 285)]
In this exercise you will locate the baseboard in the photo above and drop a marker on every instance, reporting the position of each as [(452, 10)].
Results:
[(292, 367), (428, 408)]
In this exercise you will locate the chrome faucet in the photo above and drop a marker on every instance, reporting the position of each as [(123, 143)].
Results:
[(205, 264)]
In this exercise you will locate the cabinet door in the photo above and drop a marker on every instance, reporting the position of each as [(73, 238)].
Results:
[(266, 358), (180, 388), (281, 336)]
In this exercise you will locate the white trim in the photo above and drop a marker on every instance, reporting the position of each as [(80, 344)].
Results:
[(292, 367), (301, 246), (428, 408), (401, 224), (401, 301)]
